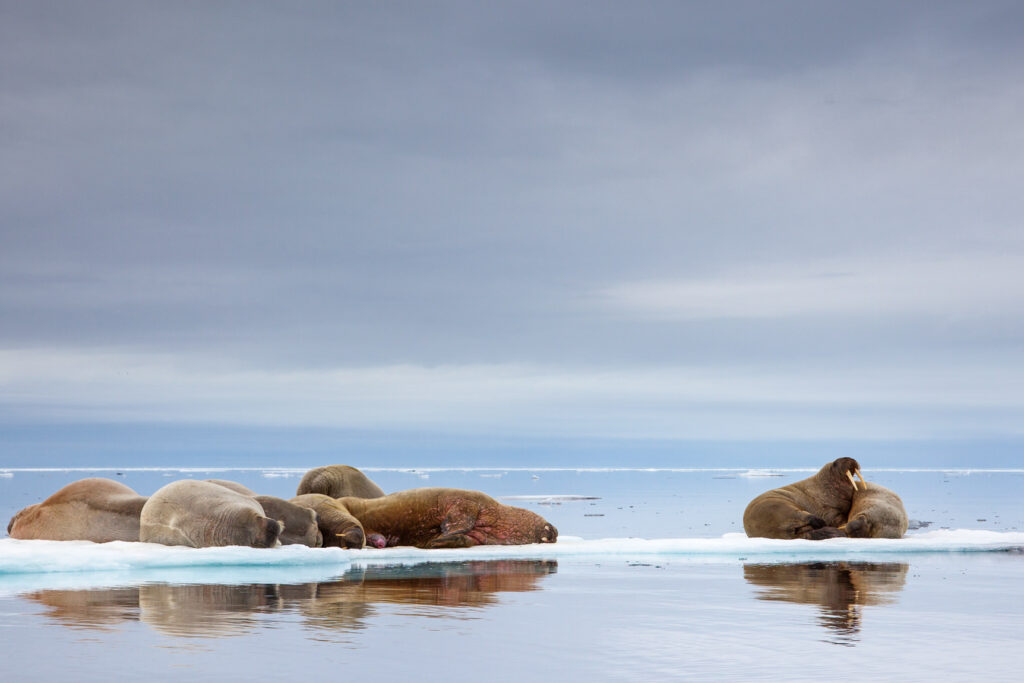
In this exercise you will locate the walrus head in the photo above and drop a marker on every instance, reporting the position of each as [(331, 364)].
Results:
[(353, 537), (840, 473), (268, 534), (507, 525), (858, 527)]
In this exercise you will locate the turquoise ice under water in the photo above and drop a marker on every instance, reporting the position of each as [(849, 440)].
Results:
[(650, 580)]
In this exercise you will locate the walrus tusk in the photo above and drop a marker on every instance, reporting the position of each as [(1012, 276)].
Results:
[(852, 480), (863, 480)]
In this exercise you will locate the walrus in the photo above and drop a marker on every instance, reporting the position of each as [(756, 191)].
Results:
[(338, 528), (200, 514), (812, 508), (446, 518), (300, 523), (338, 481), (94, 509), (876, 512)]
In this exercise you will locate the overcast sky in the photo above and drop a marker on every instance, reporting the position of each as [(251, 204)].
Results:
[(710, 220)]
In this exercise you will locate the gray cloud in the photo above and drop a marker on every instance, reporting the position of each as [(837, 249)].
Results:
[(364, 185)]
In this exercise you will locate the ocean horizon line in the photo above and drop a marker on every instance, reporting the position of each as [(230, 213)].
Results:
[(759, 470)]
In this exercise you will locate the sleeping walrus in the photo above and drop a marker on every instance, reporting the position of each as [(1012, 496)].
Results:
[(338, 481), (300, 523), (446, 518), (201, 514), (94, 509), (876, 512), (338, 528), (812, 508)]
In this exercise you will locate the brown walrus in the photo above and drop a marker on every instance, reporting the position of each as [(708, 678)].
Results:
[(300, 523), (876, 512), (93, 509), (337, 525), (446, 518), (811, 508), (338, 481), (201, 514)]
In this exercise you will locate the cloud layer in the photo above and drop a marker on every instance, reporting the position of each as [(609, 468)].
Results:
[(668, 220)]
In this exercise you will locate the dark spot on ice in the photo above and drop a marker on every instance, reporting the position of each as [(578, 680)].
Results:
[(917, 524)]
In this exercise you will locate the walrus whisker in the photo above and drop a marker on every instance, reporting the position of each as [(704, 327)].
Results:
[(852, 480)]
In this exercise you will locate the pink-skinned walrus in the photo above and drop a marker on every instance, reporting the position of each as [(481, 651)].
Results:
[(446, 518), (95, 509)]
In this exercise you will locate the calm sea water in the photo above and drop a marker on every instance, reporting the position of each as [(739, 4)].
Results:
[(620, 615)]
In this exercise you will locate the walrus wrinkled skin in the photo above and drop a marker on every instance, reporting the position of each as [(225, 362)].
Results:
[(300, 523), (446, 518), (338, 481), (234, 486), (200, 514), (338, 527), (95, 509), (877, 512), (811, 508)]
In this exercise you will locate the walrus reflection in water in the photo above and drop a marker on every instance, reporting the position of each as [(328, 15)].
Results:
[(812, 508), (216, 610), (839, 589), (98, 609), (346, 604)]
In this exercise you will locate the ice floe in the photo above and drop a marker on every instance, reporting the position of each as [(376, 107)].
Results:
[(34, 557)]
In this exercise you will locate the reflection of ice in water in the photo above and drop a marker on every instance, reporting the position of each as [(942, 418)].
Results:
[(28, 565), (340, 604), (839, 589)]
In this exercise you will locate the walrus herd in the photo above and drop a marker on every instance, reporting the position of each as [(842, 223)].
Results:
[(339, 506), (335, 505)]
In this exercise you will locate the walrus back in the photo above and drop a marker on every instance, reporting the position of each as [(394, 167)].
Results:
[(201, 514), (338, 481)]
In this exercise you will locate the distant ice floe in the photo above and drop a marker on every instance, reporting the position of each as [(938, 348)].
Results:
[(549, 499), (760, 473), (6, 475), (278, 474)]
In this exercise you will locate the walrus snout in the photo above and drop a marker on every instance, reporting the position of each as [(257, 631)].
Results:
[(858, 528), (548, 534), (272, 530), (352, 538)]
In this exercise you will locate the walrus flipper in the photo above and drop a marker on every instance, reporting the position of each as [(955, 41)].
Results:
[(824, 532), (455, 531)]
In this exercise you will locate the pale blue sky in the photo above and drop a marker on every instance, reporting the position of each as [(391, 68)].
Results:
[(651, 221)]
